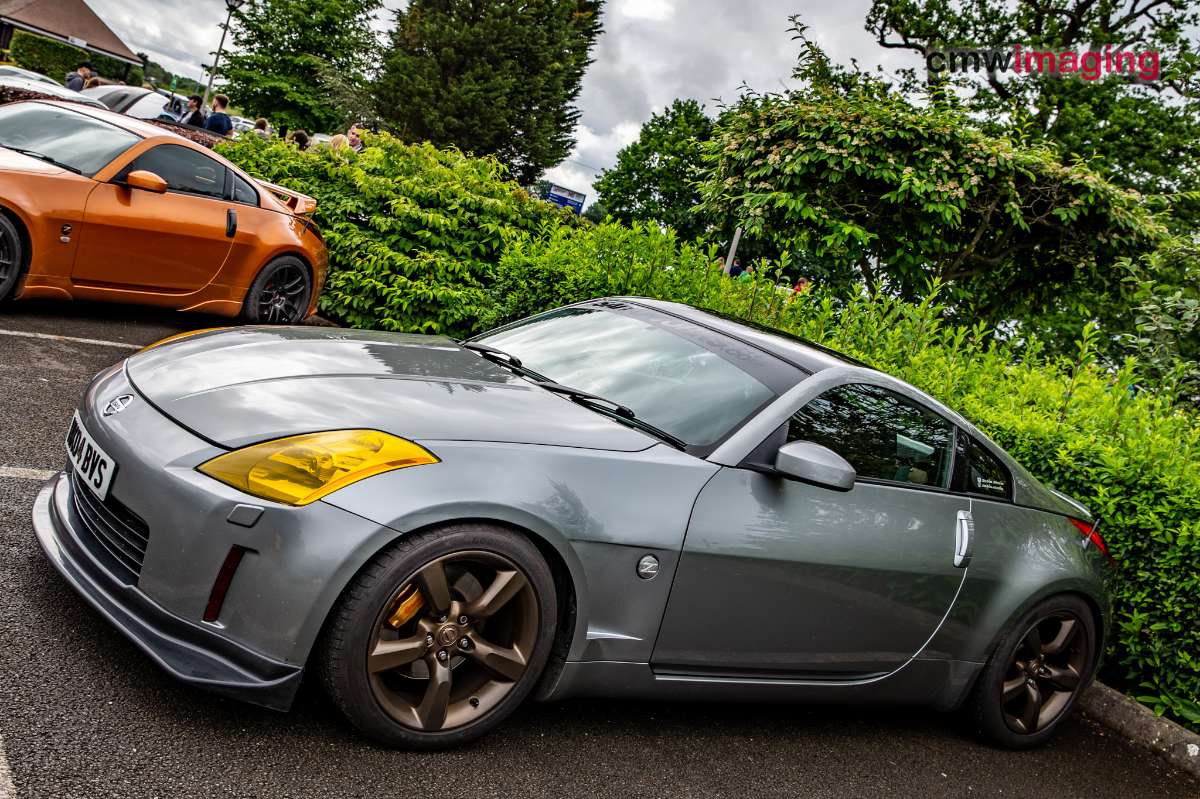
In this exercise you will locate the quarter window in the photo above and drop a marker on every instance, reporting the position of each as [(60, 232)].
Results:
[(183, 169), (981, 472), (243, 192), (883, 435)]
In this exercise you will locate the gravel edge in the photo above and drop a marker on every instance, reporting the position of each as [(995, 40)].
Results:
[(1138, 724)]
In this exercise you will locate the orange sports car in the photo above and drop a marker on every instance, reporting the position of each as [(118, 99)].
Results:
[(99, 206)]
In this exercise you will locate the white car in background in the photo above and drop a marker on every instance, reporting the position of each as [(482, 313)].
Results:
[(51, 89), (136, 101), (10, 71)]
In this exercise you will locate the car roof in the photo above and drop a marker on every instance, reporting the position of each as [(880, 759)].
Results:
[(799, 352), (131, 124)]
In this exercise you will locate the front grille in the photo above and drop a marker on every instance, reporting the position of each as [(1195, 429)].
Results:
[(110, 531)]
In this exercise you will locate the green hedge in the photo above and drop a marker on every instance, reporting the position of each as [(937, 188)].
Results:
[(55, 59), (1130, 456), (413, 231)]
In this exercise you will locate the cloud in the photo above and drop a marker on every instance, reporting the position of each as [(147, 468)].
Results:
[(650, 53)]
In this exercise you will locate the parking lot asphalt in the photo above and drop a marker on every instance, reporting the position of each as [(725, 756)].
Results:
[(85, 714)]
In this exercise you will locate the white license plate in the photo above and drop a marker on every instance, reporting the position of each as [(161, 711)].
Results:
[(92, 464)]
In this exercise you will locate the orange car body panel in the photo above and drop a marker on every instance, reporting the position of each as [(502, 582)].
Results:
[(93, 239)]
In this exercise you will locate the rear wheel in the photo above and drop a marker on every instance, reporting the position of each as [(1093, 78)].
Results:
[(1036, 674), (11, 254), (280, 294), (441, 637)]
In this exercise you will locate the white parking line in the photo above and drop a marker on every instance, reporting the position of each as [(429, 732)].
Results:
[(73, 339), (25, 474), (7, 791)]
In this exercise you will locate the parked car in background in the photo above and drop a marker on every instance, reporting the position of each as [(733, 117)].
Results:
[(7, 70), (51, 89), (241, 124), (95, 205), (139, 102), (624, 498)]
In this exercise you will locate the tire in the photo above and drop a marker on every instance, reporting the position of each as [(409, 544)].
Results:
[(279, 294), (1051, 649), (12, 257), (377, 661)]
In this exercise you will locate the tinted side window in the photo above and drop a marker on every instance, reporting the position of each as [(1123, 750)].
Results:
[(243, 192), (883, 435), (980, 472), (183, 169)]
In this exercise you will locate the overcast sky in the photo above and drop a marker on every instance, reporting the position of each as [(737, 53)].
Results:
[(651, 52)]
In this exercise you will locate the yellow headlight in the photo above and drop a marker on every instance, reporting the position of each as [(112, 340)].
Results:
[(178, 336), (301, 469)]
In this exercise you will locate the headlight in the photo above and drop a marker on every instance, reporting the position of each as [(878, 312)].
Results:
[(298, 470), (178, 336)]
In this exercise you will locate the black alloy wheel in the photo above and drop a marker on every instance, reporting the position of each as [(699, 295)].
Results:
[(441, 637), (280, 294), (1036, 674), (11, 254)]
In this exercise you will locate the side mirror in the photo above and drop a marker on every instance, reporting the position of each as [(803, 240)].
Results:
[(146, 181), (813, 463)]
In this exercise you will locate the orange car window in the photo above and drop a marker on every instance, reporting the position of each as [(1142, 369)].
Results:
[(183, 169)]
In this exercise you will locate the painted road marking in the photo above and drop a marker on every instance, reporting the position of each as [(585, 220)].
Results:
[(7, 791), (72, 339), (26, 474)]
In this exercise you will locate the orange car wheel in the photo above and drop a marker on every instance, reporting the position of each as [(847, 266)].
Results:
[(11, 254), (280, 294)]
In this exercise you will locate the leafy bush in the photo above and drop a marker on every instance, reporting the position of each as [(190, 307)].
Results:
[(1130, 456), (55, 59), (413, 232)]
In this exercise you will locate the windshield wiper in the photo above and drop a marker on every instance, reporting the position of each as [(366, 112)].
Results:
[(42, 157), (502, 358), (613, 410)]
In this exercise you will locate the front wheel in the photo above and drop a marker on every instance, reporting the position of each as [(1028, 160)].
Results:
[(441, 637), (280, 294), (11, 255), (1036, 674)]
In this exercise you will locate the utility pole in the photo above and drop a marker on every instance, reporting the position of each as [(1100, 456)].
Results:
[(737, 237), (231, 6)]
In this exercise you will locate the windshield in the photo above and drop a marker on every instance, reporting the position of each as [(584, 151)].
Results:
[(669, 380), (73, 140)]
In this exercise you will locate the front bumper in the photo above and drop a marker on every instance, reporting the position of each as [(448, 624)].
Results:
[(187, 651)]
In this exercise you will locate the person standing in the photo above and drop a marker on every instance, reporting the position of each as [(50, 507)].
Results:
[(193, 115), (76, 80), (218, 121), (352, 136), (261, 128)]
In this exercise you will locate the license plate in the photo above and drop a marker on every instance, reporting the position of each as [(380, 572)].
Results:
[(92, 464)]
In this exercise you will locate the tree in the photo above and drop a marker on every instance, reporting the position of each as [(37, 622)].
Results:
[(282, 48), (655, 177), (491, 78), (850, 177), (1143, 135)]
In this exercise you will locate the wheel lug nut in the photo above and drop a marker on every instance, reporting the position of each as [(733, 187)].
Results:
[(429, 640), (463, 619), (443, 655), (445, 619), (464, 643)]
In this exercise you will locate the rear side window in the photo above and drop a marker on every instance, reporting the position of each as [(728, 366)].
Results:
[(978, 471), (883, 435), (243, 192), (183, 169)]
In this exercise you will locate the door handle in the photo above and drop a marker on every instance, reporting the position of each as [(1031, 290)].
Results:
[(964, 532), (230, 223)]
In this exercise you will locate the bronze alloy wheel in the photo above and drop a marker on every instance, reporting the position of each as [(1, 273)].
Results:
[(284, 296), (453, 640), (1045, 670), (10, 256)]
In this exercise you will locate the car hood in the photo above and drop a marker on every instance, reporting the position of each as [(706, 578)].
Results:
[(250, 384)]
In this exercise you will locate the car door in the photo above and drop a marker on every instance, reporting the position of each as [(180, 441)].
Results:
[(782, 578), (176, 241)]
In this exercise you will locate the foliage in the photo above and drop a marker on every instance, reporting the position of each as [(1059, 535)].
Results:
[(56, 59), (413, 232), (655, 177), (1131, 456), (497, 78), (281, 49), (1144, 135), (859, 180), (153, 72)]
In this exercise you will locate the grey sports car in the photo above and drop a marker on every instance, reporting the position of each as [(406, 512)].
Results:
[(620, 498)]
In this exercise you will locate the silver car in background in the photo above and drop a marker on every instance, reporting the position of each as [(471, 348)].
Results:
[(620, 498)]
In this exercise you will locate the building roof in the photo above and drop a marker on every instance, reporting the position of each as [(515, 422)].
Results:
[(70, 21)]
